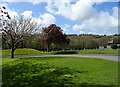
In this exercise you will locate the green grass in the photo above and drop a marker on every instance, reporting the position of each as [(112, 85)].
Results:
[(59, 72), (28, 51), (97, 51), (23, 51), (65, 52)]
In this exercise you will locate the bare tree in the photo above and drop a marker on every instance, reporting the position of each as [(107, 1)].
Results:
[(16, 29)]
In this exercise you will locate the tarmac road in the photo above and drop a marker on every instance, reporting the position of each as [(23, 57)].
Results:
[(113, 57)]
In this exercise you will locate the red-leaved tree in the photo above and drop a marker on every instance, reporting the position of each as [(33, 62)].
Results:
[(54, 34)]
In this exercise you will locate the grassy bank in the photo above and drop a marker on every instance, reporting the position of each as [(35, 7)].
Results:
[(97, 51), (23, 51), (59, 71), (28, 51)]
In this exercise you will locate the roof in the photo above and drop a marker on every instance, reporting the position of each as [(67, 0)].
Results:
[(114, 42)]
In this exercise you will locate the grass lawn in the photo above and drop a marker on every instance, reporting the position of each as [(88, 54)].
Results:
[(59, 72), (97, 51), (23, 51), (28, 51)]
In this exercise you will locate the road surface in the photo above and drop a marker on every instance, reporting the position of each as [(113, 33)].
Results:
[(113, 57)]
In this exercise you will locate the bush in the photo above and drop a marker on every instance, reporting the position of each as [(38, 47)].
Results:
[(66, 52), (114, 46)]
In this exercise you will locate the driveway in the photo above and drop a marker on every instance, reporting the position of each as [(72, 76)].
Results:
[(113, 57)]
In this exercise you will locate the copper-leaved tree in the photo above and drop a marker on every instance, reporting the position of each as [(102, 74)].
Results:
[(15, 30), (54, 34)]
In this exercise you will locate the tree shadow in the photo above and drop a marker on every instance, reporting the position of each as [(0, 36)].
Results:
[(26, 74), (36, 75)]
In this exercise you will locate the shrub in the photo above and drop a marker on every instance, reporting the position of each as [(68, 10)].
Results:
[(114, 46), (66, 52)]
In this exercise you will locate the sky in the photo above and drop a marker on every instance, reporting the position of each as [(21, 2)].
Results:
[(73, 16)]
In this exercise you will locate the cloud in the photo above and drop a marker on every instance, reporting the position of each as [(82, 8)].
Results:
[(45, 19), (12, 12), (102, 22), (38, 1), (79, 11), (66, 27), (27, 14), (88, 19)]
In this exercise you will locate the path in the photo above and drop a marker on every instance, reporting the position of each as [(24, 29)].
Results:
[(113, 57)]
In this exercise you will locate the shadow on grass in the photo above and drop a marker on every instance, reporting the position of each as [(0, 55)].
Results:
[(26, 74)]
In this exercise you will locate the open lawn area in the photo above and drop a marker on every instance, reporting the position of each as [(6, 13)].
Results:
[(97, 51), (28, 51), (59, 72), (23, 51)]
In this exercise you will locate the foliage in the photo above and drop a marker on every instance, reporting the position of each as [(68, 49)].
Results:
[(97, 51), (16, 29), (28, 51), (59, 71), (114, 46), (33, 75), (88, 42), (23, 51), (65, 52), (76, 43), (53, 34)]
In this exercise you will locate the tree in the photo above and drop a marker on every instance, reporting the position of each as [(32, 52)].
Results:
[(114, 46), (16, 29), (53, 34)]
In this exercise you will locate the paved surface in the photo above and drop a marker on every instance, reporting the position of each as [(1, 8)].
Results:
[(113, 57)]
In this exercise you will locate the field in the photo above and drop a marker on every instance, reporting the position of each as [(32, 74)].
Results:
[(23, 51), (28, 51), (97, 51), (59, 71)]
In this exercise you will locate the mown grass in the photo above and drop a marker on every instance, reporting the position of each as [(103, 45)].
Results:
[(23, 51), (65, 52), (59, 72), (28, 51), (97, 51)]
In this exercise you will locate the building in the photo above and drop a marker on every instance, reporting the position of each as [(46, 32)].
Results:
[(113, 41)]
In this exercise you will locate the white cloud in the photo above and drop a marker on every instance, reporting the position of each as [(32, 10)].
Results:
[(27, 14), (88, 18), (12, 13), (4, 4), (66, 27), (45, 19), (38, 1), (103, 22), (115, 12), (81, 10), (78, 11)]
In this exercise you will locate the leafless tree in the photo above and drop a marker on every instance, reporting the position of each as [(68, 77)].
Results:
[(16, 29)]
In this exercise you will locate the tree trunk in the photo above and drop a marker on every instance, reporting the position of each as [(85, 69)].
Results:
[(48, 47), (12, 53)]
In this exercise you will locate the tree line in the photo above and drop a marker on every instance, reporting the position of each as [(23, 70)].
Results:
[(20, 32), (75, 43)]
